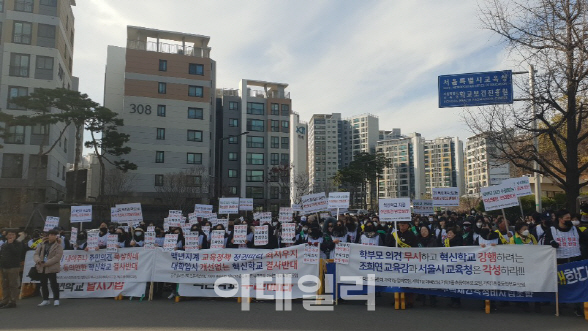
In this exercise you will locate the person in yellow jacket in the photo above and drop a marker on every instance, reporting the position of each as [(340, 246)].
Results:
[(522, 236)]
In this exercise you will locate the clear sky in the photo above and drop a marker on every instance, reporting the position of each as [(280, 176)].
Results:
[(348, 56)]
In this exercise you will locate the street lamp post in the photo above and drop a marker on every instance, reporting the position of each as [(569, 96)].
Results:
[(218, 164)]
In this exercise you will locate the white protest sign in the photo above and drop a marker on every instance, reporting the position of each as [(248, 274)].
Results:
[(73, 237), (325, 215), (314, 203), (342, 253), (149, 242), (211, 217), (192, 242), (263, 217), (521, 185), (445, 197), (51, 222), (114, 218), (112, 243), (172, 213), (312, 254), (338, 200), (206, 230), (260, 236), (151, 228), (186, 229), (285, 215), (170, 242), (499, 197), (222, 221), (240, 234), (296, 207), (217, 239), (130, 213), (202, 210), (192, 218), (246, 204), (289, 233), (174, 221), (92, 241), (393, 210), (422, 207), (228, 206), (81, 214)]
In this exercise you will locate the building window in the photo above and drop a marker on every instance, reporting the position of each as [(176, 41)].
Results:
[(16, 91), (233, 122), (255, 125), (159, 157), (233, 140), (255, 158), (285, 142), (12, 165), (49, 3), (194, 158), (233, 190), (254, 176), (40, 130), (19, 65), (232, 173), (22, 33), (255, 108), (253, 192), (58, 169), (275, 126), (158, 180), (15, 135), (162, 65), (254, 142), (275, 109), (160, 134), (24, 5), (285, 110), (195, 113), (46, 35), (285, 126), (194, 181), (195, 91), (285, 159), (233, 105), (274, 192), (233, 156), (161, 110), (44, 68), (196, 69), (1, 5), (195, 135), (275, 159), (162, 88), (275, 142)]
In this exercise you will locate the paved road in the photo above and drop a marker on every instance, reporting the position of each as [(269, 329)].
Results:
[(225, 314)]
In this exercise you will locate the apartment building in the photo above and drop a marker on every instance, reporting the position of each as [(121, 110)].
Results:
[(359, 134), (482, 169), (163, 86), (444, 164), (324, 149)]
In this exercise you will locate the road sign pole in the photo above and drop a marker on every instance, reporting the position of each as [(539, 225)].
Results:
[(535, 139)]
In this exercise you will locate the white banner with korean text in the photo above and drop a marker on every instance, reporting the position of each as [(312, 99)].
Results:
[(513, 268)]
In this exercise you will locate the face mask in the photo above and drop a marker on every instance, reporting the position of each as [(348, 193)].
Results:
[(479, 224), (304, 229), (138, 233), (103, 230), (525, 233), (275, 223), (576, 223), (484, 232), (548, 223), (568, 223)]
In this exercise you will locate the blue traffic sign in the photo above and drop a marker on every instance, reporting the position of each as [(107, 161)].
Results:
[(475, 89)]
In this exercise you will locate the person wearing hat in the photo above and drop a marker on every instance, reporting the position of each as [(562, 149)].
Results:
[(539, 231), (10, 257), (401, 238), (47, 259)]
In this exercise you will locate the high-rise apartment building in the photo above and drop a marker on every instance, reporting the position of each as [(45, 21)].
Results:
[(256, 124), (444, 164), (482, 169), (37, 38), (163, 86), (359, 134), (324, 149), (406, 175)]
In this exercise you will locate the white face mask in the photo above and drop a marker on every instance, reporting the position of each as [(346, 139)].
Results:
[(576, 223), (525, 233)]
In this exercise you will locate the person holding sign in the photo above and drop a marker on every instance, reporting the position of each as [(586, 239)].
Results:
[(339, 233), (219, 227), (81, 242), (502, 230), (138, 238), (487, 237), (566, 238), (370, 236), (47, 260), (195, 229), (404, 237)]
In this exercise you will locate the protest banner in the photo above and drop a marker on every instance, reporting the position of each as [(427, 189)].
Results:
[(445, 197), (314, 203), (296, 207), (112, 243), (338, 200), (202, 210), (325, 215), (170, 242), (260, 236), (174, 221), (289, 233), (186, 229), (217, 239), (130, 213), (246, 204), (149, 242), (312, 254), (192, 242), (172, 213), (393, 210), (342, 253), (423, 207), (240, 234), (521, 186), (222, 221), (100, 290), (51, 222), (499, 197), (192, 218), (81, 214), (92, 240), (228, 206), (130, 265), (269, 289), (263, 217), (512, 268), (285, 215)]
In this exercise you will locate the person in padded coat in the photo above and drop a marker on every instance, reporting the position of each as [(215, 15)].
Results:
[(47, 260)]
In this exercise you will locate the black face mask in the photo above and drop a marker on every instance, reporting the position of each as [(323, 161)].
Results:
[(484, 233), (548, 223), (569, 224), (103, 231), (369, 229), (120, 237), (81, 237)]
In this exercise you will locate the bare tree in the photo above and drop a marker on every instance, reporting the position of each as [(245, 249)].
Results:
[(117, 185), (300, 185), (553, 36), (183, 189)]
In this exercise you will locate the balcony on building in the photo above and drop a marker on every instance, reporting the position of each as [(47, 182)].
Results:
[(153, 40), (266, 90)]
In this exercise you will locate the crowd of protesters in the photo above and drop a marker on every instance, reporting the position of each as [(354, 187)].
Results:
[(564, 231)]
